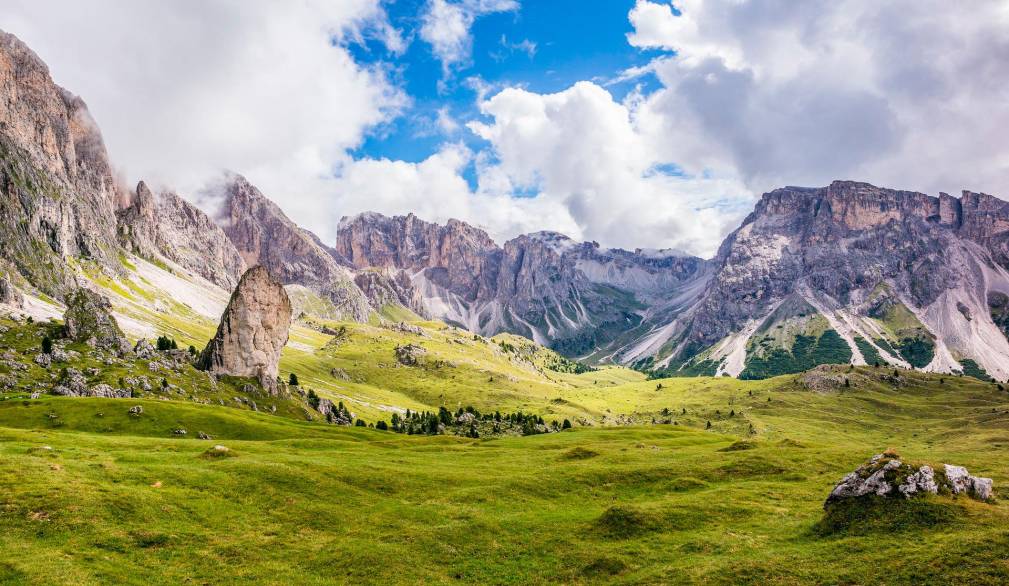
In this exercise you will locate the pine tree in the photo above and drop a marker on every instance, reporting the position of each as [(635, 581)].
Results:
[(47, 345), (381, 425), (566, 424), (360, 423), (293, 380), (708, 426)]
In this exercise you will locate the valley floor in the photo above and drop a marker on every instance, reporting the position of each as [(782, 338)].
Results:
[(91, 495)]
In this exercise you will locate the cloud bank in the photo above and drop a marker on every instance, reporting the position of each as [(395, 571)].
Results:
[(749, 96)]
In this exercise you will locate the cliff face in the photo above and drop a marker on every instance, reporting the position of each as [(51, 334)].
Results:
[(897, 274), (57, 190), (167, 225), (263, 235), (573, 296)]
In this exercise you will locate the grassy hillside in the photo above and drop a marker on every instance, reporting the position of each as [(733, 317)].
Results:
[(678, 480), (299, 502)]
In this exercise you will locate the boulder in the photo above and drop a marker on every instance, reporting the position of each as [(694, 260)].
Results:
[(9, 295), (410, 354), (886, 475), (108, 392), (89, 319), (960, 481), (253, 331), (144, 349)]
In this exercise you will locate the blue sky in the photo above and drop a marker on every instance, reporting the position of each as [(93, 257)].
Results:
[(544, 46)]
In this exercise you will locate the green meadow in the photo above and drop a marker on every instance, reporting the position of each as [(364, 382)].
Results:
[(93, 495)]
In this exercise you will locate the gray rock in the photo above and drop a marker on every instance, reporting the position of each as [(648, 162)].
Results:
[(960, 481), (167, 225), (9, 295), (89, 319), (409, 354), (981, 488), (339, 373), (43, 360), (62, 204), (872, 479), (253, 331), (108, 392), (921, 481), (144, 349), (136, 410)]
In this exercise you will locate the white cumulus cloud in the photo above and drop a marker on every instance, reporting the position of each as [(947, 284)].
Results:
[(185, 89), (907, 94), (446, 26)]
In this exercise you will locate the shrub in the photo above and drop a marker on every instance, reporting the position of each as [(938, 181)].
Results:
[(47, 345), (566, 424), (292, 380), (382, 425), (360, 423)]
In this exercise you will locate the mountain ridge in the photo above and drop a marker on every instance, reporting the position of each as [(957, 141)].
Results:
[(848, 272)]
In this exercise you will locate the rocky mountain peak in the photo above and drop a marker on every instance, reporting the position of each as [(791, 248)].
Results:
[(263, 235), (57, 189), (166, 225), (50, 123)]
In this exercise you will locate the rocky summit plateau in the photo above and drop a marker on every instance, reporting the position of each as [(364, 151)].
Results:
[(196, 389)]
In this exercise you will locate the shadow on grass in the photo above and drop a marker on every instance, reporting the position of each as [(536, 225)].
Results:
[(874, 514)]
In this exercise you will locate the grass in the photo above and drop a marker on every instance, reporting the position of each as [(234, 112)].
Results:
[(124, 501), (643, 490)]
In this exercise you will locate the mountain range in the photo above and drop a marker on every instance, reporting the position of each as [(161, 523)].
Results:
[(848, 273)]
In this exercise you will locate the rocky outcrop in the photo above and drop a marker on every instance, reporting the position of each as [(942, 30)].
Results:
[(166, 225), (885, 475), (385, 287), (57, 189), (9, 295), (265, 236), (253, 331), (410, 354), (89, 319)]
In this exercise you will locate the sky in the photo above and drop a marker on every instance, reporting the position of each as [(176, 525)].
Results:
[(633, 123)]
